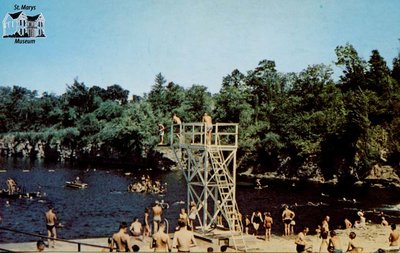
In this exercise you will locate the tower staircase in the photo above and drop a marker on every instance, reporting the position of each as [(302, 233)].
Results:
[(226, 188), (209, 168)]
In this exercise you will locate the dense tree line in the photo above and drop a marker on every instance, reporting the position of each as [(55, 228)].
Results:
[(298, 124)]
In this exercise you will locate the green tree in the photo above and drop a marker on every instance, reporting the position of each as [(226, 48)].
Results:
[(354, 68), (156, 96), (198, 101)]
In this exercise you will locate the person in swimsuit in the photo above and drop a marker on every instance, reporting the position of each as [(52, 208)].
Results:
[(176, 120), (324, 242), (40, 246), (287, 217), (325, 224), (192, 214), (157, 211), (122, 239), (183, 215), (301, 241), (347, 224), (183, 238), (351, 247), (161, 240), (334, 243), (146, 228), (268, 221), (209, 127), (247, 222), (136, 229), (51, 221), (161, 130), (256, 219), (394, 236)]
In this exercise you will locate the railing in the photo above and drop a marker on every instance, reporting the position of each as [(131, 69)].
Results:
[(79, 244), (222, 134)]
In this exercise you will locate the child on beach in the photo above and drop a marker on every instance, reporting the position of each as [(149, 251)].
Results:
[(394, 236), (334, 244), (268, 221), (352, 248)]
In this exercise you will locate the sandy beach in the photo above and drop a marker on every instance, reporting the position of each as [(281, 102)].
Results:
[(372, 238)]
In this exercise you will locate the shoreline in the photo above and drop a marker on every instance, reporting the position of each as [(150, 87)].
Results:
[(372, 238), (273, 176)]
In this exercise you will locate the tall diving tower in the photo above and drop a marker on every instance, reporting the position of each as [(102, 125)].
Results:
[(208, 163)]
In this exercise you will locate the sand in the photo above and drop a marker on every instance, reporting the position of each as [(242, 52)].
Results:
[(372, 238)]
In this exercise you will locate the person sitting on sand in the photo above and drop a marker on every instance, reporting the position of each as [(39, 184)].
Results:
[(384, 222), (347, 224), (301, 241), (394, 236), (334, 244), (352, 248), (136, 228), (362, 222)]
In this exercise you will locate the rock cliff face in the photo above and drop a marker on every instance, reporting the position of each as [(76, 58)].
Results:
[(383, 175), (11, 147), (161, 158)]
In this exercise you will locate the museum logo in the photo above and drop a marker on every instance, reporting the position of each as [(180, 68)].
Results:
[(23, 28)]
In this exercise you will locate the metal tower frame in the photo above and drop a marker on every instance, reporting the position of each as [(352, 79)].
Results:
[(209, 167)]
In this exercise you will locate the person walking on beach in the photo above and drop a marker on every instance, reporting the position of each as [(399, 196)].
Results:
[(394, 236), (157, 212), (51, 222), (183, 238), (268, 221), (287, 217), (334, 244), (161, 241), (209, 127), (256, 219), (122, 239)]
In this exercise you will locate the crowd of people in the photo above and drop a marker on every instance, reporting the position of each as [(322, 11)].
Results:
[(12, 186), (147, 185), (183, 239), (329, 241)]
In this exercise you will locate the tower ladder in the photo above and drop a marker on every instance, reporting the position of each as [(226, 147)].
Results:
[(226, 187)]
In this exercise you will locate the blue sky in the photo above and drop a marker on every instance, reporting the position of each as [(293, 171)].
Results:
[(128, 42)]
